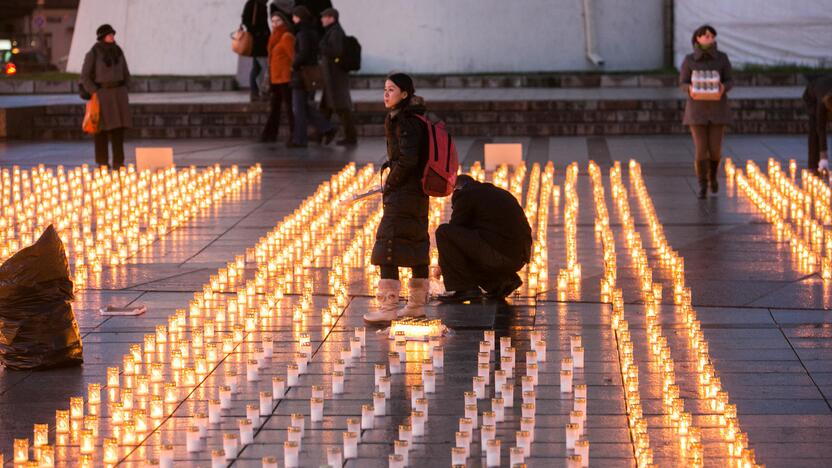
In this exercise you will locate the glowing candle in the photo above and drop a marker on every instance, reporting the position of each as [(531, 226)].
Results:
[(580, 391), (479, 386), (471, 413), (62, 421), (298, 420), (94, 394), (458, 456), (350, 445), (429, 381), (46, 457), (76, 408), (517, 456), (253, 414), (578, 357), (317, 409), (265, 403), (192, 442), (292, 373), (87, 445), (463, 440), (573, 432), (110, 450), (394, 363), (367, 416), (524, 441), (21, 451), (574, 461), (582, 449), (565, 381), (438, 355), (337, 383), (291, 454), (230, 444)]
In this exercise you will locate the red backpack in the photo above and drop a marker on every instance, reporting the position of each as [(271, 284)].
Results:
[(439, 177)]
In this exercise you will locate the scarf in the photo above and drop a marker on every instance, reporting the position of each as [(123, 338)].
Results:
[(110, 53)]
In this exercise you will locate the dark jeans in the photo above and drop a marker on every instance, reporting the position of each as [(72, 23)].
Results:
[(814, 143), (347, 122), (304, 109), (707, 141), (116, 138), (392, 271), (281, 97), (258, 65), (468, 261)]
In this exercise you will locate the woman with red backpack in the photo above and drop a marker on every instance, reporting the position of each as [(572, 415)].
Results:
[(402, 239)]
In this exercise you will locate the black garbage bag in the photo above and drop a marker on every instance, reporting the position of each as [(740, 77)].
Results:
[(37, 326)]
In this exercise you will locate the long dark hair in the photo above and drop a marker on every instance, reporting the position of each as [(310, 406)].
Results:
[(700, 31)]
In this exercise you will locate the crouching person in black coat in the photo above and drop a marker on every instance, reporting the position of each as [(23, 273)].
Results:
[(487, 241)]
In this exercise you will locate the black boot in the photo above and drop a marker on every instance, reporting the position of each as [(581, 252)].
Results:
[(702, 176), (713, 175)]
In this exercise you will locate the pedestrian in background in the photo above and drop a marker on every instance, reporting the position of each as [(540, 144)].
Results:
[(255, 18), (402, 238), (818, 99), (281, 53), (336, 97), (707, 118), (105, 73), (303, 94)]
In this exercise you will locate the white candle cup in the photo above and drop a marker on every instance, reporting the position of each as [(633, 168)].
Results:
[(292, 373), (573, 461), (529, 397), (471, 413), (246, 431), (528, 410), (402, 448), (580, 391), (507, 364), (354, 425), (379, 403), (498, 408), (527, 383), (316, 409), (479, 386), (463, 440), (218, 458), (317, 391), (214, 411), (466, 425), (492, 453), (394, 363), (517, 456), (470, 398), (485, 347), (578, 357), (291, 454), (507, 393), (532, 371), (499, 380), (278, 387), (192, 439), (350, 445), (488, 335), (380, 370), (540, 347), (421, 404), (384, 385), (489, 418), (505, 342), (339, 366), (484, 372), (253, 414), (302, 362), (406, 432), (577, 417), (269, 462), (573, 432), (355, 347), (524, 441), (266, 402), (225, 397), (427, 364), (567, 364), (268, 346), (294, 434), (333, 456), (438, 355), (230, 443), (582, 449), (527, 424), (417, 421), (429, 381), (580, 405), (298, 420), (260, 357), (337, 383), (458, 456), (401, 349), (483, 357), (574, 341), (346, 356), (367, 417), (531, 357), (565, 381), (486, 433)]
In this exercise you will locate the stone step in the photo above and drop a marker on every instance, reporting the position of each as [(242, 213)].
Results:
[(464, 117)]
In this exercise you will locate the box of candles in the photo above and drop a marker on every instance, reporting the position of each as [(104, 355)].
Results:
[(705, 85)]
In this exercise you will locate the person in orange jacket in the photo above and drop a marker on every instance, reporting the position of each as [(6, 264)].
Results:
[(281, 54)]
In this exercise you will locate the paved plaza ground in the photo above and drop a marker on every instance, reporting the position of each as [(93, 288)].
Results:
[(767, 325)]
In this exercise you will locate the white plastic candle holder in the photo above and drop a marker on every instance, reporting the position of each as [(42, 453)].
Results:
[(417, 420), (402, 447), (406, 432), (230, 443), (438, 355), (384, 384), (298, 420), (214, 411), (463, 440), (578, 357), (582, 449), (333, 456), (478, 384), (580, 390), (395, 460), (486, 433), (528, 424), (316, 409), (354, 425), (524, 441), (429, 381), (507, 392), (379, 403), (367, 417), (266, 402), (577, 417), (253, 414), (291, 454), (337, 383), (458, 456), (492, 452), (294, 434), (517, 456), (471, 413), (528, 410), (573, 432), (530, 397), (218, 458), (193, 441), (350, 445), (246, 431), (565, 381), (580, 405)]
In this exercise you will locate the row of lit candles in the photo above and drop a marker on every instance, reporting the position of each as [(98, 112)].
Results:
[(709, 383), (569, 278)]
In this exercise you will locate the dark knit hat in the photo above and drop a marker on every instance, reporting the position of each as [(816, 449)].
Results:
[(302, 12), (330, 12), (103, 31), (404, 82)]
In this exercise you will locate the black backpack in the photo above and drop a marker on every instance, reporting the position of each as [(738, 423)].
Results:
[(351, 58)]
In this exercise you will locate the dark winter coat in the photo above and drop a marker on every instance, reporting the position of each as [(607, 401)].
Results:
[(306, 51), (705, 112), (336, 79), (256, 20), (402, 238), (818, 113), (496, 216), (105, 72)]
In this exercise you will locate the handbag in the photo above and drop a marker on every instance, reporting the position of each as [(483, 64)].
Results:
[(242, 41), (92, 116), (313, 77)]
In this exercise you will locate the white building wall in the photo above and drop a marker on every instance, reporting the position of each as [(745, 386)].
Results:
[(191, 37)]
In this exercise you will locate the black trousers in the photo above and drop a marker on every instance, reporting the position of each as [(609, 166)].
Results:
[(281, 98), (392, 271), (468, 261), (814, 143), (116, 138), (347, 122)]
